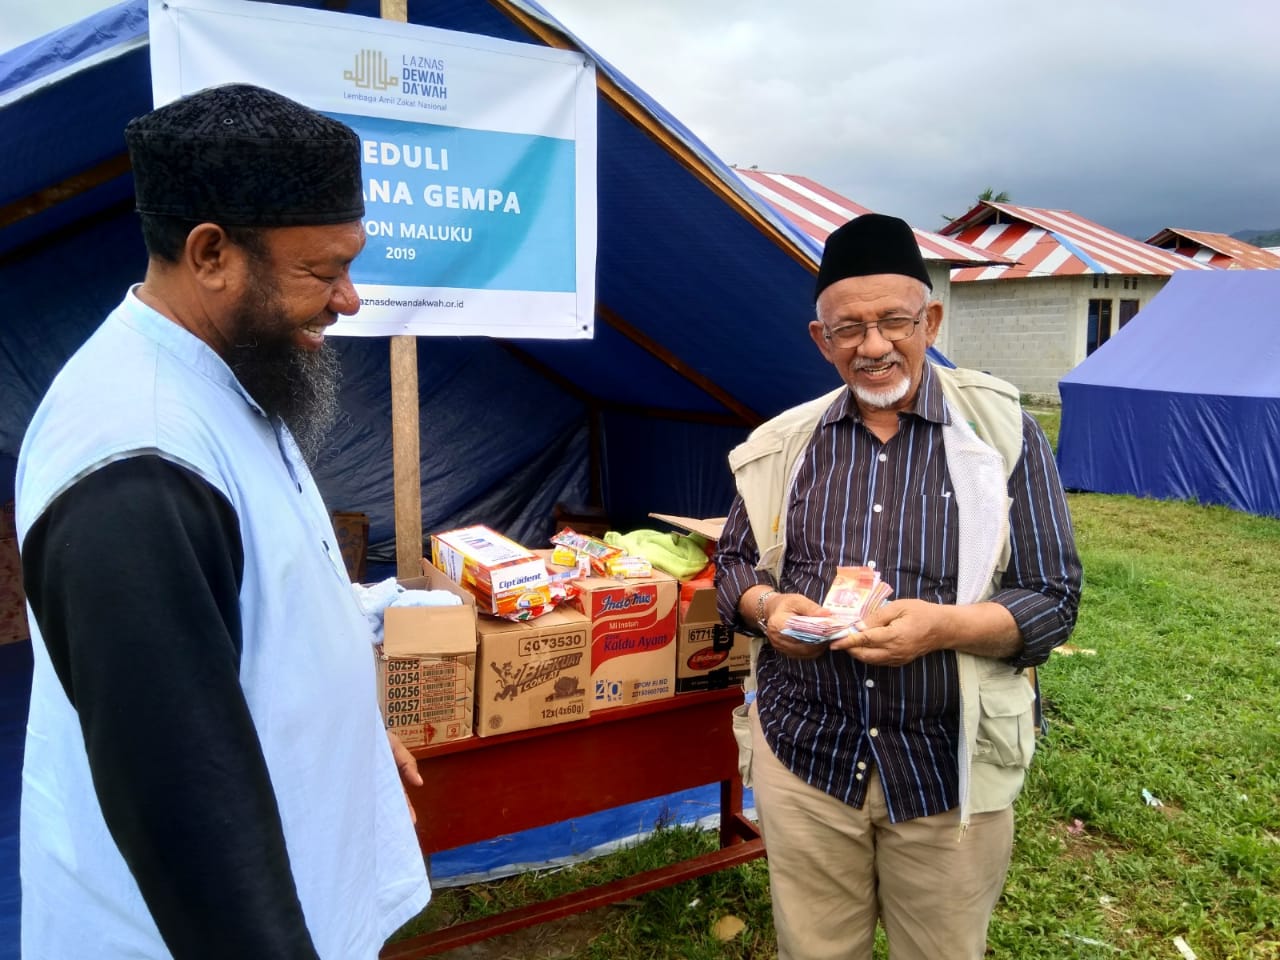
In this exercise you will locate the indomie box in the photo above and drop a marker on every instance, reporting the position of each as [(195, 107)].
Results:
[(633, 638), (533, 673), (427, 669), (503, 575)]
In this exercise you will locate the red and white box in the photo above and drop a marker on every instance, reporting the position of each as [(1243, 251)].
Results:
[(633, 638)]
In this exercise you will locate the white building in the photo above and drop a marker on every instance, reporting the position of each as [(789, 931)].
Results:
[(1072, 284)]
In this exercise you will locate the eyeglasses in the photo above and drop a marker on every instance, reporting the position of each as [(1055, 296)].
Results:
[(891, 328)]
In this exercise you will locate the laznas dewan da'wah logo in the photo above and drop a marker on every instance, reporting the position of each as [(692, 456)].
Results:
[(418, 80), (372, 71)]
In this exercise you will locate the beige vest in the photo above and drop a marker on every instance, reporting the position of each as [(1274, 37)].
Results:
[(983, 444)]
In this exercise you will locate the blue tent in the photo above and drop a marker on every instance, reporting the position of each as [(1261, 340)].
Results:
[(1175, 407), (703, 293)]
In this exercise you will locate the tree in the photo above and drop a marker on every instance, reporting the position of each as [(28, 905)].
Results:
[(990, 194), (1271, 238)]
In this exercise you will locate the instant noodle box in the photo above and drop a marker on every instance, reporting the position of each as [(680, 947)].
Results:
[(534, 673), (633, 638), (503, 576)]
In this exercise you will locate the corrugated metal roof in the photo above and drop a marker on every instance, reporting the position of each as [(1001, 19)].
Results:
[(817, 210), (1216, 249), (1055, 243)]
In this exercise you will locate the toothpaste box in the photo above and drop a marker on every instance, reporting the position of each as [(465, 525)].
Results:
[(502, 575)]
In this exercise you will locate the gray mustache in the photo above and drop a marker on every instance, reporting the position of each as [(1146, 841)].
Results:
[(893, 356)]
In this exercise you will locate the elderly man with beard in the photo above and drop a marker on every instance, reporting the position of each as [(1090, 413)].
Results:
[(207, 773), (885, 764)]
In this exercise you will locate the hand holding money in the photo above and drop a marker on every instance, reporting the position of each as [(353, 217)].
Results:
[(854, 593)]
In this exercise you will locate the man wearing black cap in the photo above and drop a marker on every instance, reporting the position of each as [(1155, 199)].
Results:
[(207, 773), (885, 763)]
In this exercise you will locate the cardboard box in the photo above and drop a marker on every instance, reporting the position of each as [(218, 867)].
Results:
[(502, 575), (534, 673), (711, 528), (427, 670), (633, 638), (709, 655), (352, 532), (587, 520), (13, 600)]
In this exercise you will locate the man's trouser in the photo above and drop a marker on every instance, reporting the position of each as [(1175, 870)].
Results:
[(835, 870)]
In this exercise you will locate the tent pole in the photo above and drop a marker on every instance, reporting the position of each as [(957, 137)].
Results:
[(657, 350), (406, 455), (66, 189), (662, 413)]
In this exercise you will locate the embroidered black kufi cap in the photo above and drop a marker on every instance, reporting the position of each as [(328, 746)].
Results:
[(243, 156), (870, 244)]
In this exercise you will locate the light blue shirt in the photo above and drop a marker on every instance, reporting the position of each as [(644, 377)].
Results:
[(144, 385)]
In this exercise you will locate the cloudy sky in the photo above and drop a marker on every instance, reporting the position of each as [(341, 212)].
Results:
[(1139, 114)]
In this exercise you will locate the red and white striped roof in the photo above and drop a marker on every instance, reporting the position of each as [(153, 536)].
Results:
[(817, 211), (1216, 249), (1055, 243)]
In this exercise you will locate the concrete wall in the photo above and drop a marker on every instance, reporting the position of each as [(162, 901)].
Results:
[(940, 274), (1032, 331)]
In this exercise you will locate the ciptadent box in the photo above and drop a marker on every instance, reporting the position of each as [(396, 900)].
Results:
[(502, 575)]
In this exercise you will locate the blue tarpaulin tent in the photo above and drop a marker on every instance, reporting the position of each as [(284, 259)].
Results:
[(1183, 402), (703, 293)]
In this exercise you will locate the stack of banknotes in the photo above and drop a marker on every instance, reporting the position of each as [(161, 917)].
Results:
[(854, 593)]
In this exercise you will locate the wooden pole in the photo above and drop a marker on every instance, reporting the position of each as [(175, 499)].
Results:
[(406, 465), (406, 454)]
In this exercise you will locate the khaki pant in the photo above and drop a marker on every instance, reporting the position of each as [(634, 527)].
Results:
[(835, 870)]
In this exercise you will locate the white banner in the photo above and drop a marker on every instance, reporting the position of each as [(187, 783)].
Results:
[(478, 157)]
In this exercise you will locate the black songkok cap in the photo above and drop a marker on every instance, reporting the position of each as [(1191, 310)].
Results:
[(870, 244), (242, 156)]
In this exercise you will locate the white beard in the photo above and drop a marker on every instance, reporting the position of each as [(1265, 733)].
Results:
[(882, 399)]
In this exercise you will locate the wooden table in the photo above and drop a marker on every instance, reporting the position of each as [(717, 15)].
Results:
[(487, 787)]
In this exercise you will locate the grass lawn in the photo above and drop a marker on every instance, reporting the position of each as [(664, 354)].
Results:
[(1172, 692)]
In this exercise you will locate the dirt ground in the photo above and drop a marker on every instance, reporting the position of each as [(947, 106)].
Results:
[(555, 940)]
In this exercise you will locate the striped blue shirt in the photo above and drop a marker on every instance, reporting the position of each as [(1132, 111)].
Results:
[(858, 501)]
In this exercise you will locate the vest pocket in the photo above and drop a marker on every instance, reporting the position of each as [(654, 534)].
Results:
[(742, 734), (1006, 730)]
